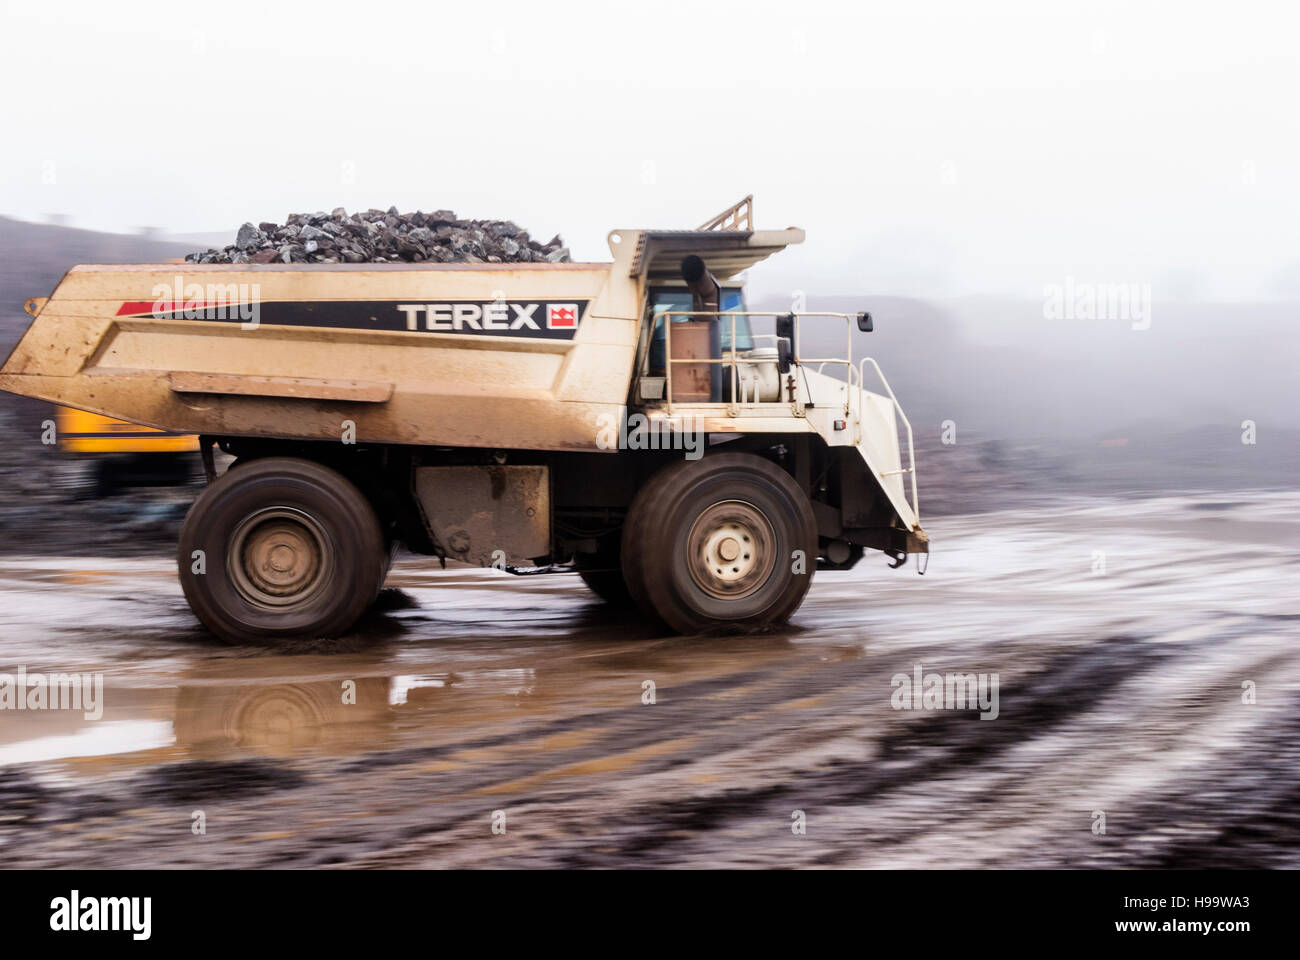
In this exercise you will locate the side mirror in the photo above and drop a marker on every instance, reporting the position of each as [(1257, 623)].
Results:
[(864, 322), (783, 356), (785, 327)]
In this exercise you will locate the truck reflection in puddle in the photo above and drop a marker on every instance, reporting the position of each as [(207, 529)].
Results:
[(283, 719), (340, 715)]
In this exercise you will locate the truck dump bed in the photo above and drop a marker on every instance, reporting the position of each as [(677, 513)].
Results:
[(523, 356), (111, 341)]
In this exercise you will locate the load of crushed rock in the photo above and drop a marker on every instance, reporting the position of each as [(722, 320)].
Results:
[(378, 236)]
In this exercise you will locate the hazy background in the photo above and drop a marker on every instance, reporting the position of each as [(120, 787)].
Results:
[(930, 148), (949, 161)]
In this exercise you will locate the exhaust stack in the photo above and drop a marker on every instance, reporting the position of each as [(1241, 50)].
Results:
[(704, 289), (706, 297)]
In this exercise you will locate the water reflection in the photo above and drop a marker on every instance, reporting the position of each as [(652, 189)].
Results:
[(283, 719)]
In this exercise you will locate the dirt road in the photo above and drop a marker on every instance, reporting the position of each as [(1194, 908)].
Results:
[(1120, 634)]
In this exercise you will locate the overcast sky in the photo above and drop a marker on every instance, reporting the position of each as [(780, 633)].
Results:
[(930, 149)]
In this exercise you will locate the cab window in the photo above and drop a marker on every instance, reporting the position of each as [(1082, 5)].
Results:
[(668, 299)]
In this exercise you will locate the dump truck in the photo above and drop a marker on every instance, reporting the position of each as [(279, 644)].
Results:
[(619, 420)]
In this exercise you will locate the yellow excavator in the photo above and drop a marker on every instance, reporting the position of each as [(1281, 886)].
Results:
[(118, 454)]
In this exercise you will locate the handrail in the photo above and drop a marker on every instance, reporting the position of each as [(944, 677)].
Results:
[(898, 408), (733, 357), (733, 217)]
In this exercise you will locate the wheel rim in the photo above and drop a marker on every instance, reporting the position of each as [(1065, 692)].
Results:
[(278, 558), (731, 550)]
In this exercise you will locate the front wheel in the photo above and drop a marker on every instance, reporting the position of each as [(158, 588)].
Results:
[(728, 542), (280, 548)]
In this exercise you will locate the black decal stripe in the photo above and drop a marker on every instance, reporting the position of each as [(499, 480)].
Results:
[(380, 315)]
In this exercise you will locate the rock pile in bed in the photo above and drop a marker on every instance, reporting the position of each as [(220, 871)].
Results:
[(379, 236)]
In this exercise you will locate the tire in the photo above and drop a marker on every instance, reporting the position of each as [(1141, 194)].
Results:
[(389, 553), (290, 549), (610, 586), (709, 545)]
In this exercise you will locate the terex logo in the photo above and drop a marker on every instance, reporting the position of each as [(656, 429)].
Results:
[(561, 316), (497, 316)]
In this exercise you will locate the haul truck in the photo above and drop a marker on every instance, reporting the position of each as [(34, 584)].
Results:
[(619, 420)]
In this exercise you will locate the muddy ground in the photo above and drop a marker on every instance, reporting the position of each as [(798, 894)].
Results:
[(1121, 632)]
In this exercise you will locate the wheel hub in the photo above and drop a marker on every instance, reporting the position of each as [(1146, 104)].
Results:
[(277, 557), (731, 550)]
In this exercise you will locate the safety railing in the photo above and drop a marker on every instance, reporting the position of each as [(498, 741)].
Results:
[(732, 355), (738, 216), (910, 469)]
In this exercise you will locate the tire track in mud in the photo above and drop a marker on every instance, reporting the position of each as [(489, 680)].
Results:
[(1256, 798), (746, 713), (703, 709), (929, 747), (1074, 692), (937, 745), (1146, 725)]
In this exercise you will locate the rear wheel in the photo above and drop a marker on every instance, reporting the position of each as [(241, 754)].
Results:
[(724, 543), (280, 548)]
